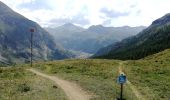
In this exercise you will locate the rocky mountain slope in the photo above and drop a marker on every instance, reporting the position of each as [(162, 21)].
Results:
[(153, 39), (89, 40), (15, 39)]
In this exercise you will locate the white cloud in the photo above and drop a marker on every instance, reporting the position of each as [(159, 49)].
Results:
[(14, 3), (140, 12)]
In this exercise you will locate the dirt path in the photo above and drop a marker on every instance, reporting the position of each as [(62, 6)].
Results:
[(73, 91), (133, 88)]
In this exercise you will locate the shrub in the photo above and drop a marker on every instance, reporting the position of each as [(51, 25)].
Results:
[(23, 88)]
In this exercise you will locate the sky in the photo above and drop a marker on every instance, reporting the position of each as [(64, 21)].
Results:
[(52, 13)]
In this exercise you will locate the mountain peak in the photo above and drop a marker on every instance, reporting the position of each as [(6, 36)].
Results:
[(96, 26), (69, 25)]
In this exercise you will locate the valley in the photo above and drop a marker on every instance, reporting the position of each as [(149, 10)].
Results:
[(78, 56), (71, 37)]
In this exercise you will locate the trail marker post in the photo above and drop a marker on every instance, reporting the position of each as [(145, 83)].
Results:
[(121, 81), (32, 30)]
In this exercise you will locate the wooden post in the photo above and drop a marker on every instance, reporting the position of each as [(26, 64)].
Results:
[(32, 31), (121, 92)]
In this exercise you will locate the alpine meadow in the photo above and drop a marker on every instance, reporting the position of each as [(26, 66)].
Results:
[(84, 50)]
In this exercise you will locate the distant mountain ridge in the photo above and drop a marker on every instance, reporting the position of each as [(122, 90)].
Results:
[(152, 40), (92, 39), (15, 39)]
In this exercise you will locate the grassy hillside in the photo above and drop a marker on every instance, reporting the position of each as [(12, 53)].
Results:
[(151, 75), (95, 76), (18, 84)]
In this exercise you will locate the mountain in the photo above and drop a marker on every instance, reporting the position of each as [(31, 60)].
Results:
[(15, 39), (64, 30), (89, 40), (152, 40)]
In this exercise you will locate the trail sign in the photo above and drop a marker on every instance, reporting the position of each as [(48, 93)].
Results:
[(32, 29), (122, 79)]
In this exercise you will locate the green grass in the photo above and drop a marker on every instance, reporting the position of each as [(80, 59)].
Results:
[(151, 75), (19, 84), (98, 77)]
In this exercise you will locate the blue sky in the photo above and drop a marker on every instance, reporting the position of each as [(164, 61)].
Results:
[(52, 13)]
